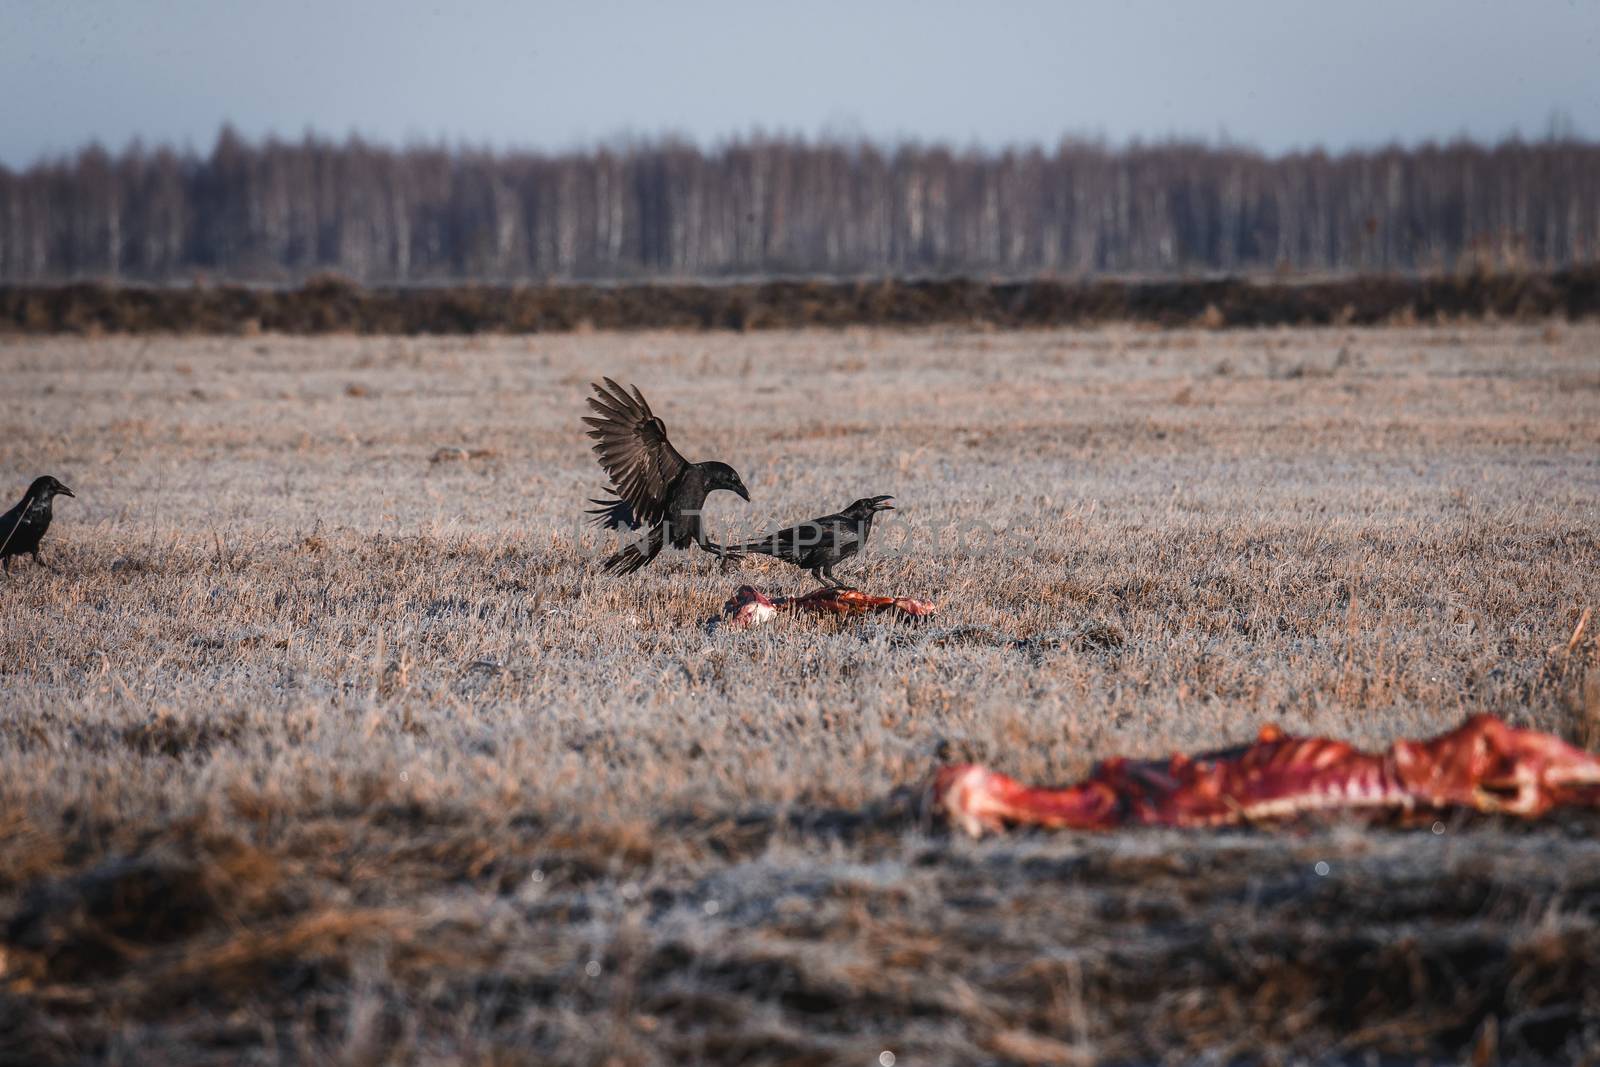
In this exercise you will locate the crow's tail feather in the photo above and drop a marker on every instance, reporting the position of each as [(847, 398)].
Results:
[(633, 556), (612, 514)]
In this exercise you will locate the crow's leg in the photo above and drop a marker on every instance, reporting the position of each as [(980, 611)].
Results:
[(727, 558), (722, 552), (7, 563), (827, 572)]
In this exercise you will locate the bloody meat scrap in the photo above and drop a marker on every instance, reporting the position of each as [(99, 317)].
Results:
[(751, 607), (1483, 765)]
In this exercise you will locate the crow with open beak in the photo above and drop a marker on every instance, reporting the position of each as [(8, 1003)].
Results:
[(822, 544), (655, 485), (23, 527)]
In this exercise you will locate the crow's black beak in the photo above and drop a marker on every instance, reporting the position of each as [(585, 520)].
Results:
[(64, 491), (883, 504), (742, 491)]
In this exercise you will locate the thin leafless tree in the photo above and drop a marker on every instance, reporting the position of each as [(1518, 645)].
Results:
[(278, 212)]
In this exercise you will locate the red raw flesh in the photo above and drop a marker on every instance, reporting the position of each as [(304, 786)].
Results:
[(1483, 765)]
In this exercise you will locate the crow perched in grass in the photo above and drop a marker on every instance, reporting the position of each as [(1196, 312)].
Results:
[(821, 544), (655, 485), (23, 526)]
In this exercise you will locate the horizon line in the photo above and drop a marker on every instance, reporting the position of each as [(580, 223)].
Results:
[(1559, 130)]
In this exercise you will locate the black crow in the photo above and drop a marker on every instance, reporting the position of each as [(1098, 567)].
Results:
[(655, 485), (821, 544), (22, 528)]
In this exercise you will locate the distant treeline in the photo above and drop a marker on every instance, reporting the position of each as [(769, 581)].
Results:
[(331, 304), (280, 212)]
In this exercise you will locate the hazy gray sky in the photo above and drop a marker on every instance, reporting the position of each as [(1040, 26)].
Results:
[(1274, 73)]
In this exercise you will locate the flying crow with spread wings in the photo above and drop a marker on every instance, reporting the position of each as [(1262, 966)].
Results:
[(655, 485), (23, 527), (822, 544)]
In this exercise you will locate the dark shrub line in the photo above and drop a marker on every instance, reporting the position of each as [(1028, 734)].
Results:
[(331, 305)]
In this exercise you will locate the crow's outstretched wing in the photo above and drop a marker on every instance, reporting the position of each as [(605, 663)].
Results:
[(633, 449)]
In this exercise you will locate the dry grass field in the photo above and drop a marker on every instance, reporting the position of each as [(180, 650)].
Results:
[(328, 743)]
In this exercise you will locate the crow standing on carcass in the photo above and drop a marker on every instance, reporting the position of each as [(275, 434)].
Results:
[(655, 485), (23, 527), (822, 544)]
